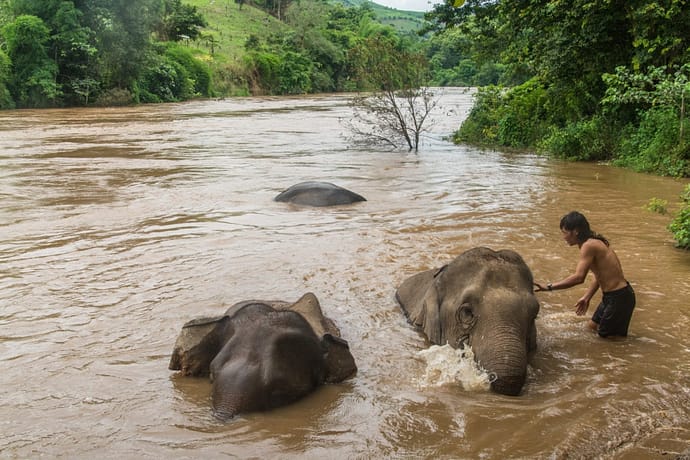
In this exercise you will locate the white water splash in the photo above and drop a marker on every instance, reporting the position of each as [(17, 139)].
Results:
[(446, 365)]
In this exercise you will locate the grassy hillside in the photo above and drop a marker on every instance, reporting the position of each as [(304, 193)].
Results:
[(404, 21), (230, 26), (222, 42)]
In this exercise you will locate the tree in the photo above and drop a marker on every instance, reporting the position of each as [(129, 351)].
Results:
[(399, 106), (656, 87), (123, 37), (180, 21), (34, 78), (6, 101), (569, 45), (312, 26)]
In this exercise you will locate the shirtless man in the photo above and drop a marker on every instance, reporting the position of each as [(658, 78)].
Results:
[(612, 317)]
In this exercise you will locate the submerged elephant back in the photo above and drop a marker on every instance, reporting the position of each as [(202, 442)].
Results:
[(318, 194)]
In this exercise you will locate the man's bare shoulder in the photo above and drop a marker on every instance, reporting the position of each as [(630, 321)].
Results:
[(593, 247)]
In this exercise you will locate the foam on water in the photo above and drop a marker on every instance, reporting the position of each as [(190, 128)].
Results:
[(446, 365)]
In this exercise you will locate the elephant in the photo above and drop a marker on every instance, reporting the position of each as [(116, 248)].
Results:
[(482, 298), (261, 355), (318, 194)]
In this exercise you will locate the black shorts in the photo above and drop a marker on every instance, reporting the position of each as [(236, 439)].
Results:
[(614, 312)]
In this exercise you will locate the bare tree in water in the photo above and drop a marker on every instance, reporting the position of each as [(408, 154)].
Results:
[(396, 110)]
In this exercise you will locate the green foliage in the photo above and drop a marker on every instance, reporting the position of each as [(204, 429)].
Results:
[(33, 82), (6, 101), (481, 125), (295, 73), (283, 72), (569, 43), (613, 77), (660, 33), (109, 51), (657, 87), (264, 67), (680, 226), (123, 30), (197, 70), (468, 52), (173, 74), (512, 118), (180, 21), (523, 119), (657, 205), (653, 145), (592, 139), (381, 63)]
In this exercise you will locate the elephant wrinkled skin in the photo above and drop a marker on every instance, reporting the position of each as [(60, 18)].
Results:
[(318, 194), (263, 354), (484, 299)]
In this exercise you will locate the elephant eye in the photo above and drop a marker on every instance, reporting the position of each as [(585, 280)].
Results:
[(465, 314)]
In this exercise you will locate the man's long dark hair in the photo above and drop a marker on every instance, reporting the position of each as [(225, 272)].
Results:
[(576, 221)]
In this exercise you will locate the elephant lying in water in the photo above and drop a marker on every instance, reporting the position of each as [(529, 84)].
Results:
[(318, 194), (484, 299), (263, 354)]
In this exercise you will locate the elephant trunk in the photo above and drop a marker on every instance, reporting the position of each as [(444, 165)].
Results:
[(505, 359), (509, 385)]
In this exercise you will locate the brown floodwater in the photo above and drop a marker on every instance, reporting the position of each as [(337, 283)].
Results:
[(119, 225)]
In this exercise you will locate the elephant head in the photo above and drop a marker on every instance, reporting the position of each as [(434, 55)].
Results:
[(261, 354), (484, 299)]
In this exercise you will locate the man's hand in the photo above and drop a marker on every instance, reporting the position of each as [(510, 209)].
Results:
[(539, 288), (581, 306)]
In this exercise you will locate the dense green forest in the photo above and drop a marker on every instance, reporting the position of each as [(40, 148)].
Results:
[(106, 52), (584, 80)]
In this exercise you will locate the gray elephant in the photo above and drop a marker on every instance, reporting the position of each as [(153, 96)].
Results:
[(318, 194), (263, 354), (484, 299)]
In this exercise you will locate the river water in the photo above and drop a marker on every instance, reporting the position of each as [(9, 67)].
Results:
[(119, 225)]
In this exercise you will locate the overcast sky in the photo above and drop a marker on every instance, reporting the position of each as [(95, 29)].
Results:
[(409, 5)]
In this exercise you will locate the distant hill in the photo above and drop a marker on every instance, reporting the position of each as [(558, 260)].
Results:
[(404, 21)]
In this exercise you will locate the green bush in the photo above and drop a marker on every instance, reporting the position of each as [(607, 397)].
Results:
[(481, 125), (654, 146), (587, 140), (657, 205), (680, 226), (197, 70), (165, 80), (511, 118), (522, 122), (264, 68), (6, 101), (295, 73)]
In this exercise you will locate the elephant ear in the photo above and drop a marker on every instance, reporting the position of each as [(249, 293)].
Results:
[(340, 364), (308, 306), (419, 300), (197, 345)]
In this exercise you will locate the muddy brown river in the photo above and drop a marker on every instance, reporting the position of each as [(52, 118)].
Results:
[(118, 225)]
